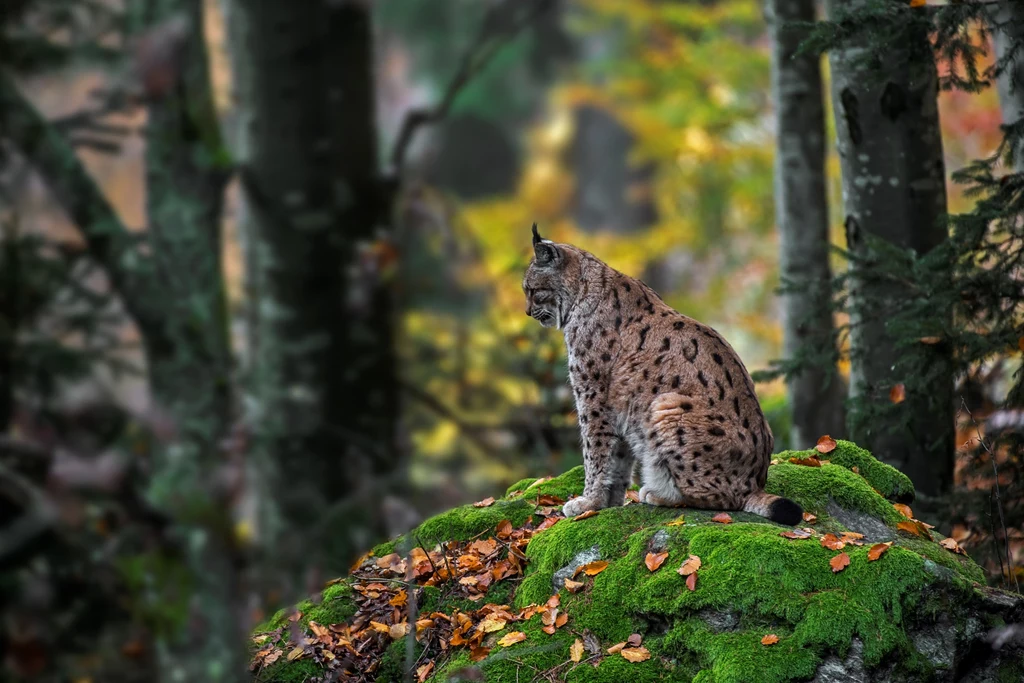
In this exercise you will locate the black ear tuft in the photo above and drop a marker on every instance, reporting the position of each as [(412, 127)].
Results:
[(536, 236)]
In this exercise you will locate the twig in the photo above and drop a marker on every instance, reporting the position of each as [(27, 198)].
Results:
[(483, 49), (999, 501)]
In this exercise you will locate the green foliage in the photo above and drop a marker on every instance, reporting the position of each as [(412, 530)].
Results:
[(885, 479)]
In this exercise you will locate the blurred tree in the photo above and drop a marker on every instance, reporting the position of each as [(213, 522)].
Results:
[(894, 195), (1007, 20), (816, 394), (324, 401)]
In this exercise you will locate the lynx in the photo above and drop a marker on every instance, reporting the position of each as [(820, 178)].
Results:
[(654, 386)]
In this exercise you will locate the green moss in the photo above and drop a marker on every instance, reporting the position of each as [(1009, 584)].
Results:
[(520, 486), (563, 486), (284, 671), (393, 663), (814, 487), (336, 607), (892, 483), (465, 522)]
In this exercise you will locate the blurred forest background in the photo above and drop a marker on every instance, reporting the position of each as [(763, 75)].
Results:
[(260, 270)]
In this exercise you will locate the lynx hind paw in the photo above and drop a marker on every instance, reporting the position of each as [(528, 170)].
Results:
[(577, 506), (651, 498)]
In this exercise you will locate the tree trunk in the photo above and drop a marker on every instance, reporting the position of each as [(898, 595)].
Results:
[(801, 211), (1007, 19), (326, 395), (893, 190)]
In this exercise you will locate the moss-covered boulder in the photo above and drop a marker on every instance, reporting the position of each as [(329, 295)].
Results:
[(861, 592)]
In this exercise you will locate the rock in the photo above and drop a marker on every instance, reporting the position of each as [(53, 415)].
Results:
[(917, 613)]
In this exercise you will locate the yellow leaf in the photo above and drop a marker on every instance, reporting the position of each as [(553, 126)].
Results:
[(595, 567), (492, 623), (295, 654), (576, 650), (512, 638), (636, 654)]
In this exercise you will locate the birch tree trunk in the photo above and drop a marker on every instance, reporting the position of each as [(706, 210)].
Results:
[(1007, 19), (893, 189), (801, 213), (325, 397)]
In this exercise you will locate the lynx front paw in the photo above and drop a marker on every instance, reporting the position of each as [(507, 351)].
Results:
[(578, 505)]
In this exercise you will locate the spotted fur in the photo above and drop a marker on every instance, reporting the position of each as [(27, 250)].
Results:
[(652, 386)]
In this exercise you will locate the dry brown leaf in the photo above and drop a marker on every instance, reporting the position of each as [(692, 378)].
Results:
[(812, 461), (691, 582), (930, 341), (492, 623), (512, 638), (504, 529), (909, 527), (722, 518), (770, 639), (400, 599), (423, 672), (485, 503), (576, 650), (655, 560), (831, 542), (478, 653), (398, 630), (952, 546), (635, 654), (826, 444), (554, 601), (379, 627), (877, 550), (585, 515), (810, 518), (616, 648), (690, 565), (296, 653), (573, 586), (904, 510), (898, 394), (272, 657), (795, 534), (634, 640), (561, 619), (594, 568), (839, 562)]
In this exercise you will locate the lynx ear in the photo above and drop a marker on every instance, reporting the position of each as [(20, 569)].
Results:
[(544, 251)]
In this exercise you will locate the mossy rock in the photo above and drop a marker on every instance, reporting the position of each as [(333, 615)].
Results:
[(917, 613)]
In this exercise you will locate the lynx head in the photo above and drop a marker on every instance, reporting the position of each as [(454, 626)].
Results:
[(552, 281)]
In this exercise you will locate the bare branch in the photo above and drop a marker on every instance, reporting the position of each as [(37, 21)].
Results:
[(485, 47)]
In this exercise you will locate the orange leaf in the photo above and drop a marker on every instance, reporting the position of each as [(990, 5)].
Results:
[(952, 546), (636, 654), (512, 638), (826, 444), (795, 534), (812, 461), (898, 393), (931, 341), (839, 562), (904, 510), (573, 586), (504, 528), (918, 3), (423, 672), (831, 542), (478, 653), (691, 582), (401, 597), (689, 566), (584, 515), (655, 560), (554, 601), (576, 650), (617, 648), (485, 503), (722, 518), (809, 518), (561, 619), (633, 496), (877, 550), (595, 567), (909, 527), (770, 639)]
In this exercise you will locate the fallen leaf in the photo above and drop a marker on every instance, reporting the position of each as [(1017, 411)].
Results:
[(679, 521), (504, 528), (691, 582), (855, 469), (826, 444), (809, 518), (485, 503), (689, 566), (272, 656), (904, 510), (877, 550), (478, 653), (492, 623), (952, 546), (400, 599), (910, 527), (770, 639), (423, 672), (931, 341), (839, 562), (548, 499), (831, 542), (918, 3), (576, 650), (379, 627), (398, 630), (898, 393), (584, 515), (795, 534), (722, 518), (635, 654), (617, 648), (573, 586), (633, 496), (561, 620), (512, 638), (554, 601), (594, 568), (296, 653), (812, 461), (634, 640), (655, 560)]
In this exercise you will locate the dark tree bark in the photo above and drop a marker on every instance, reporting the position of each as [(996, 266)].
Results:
[(316, 214), (893, 189), (801, 213)]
